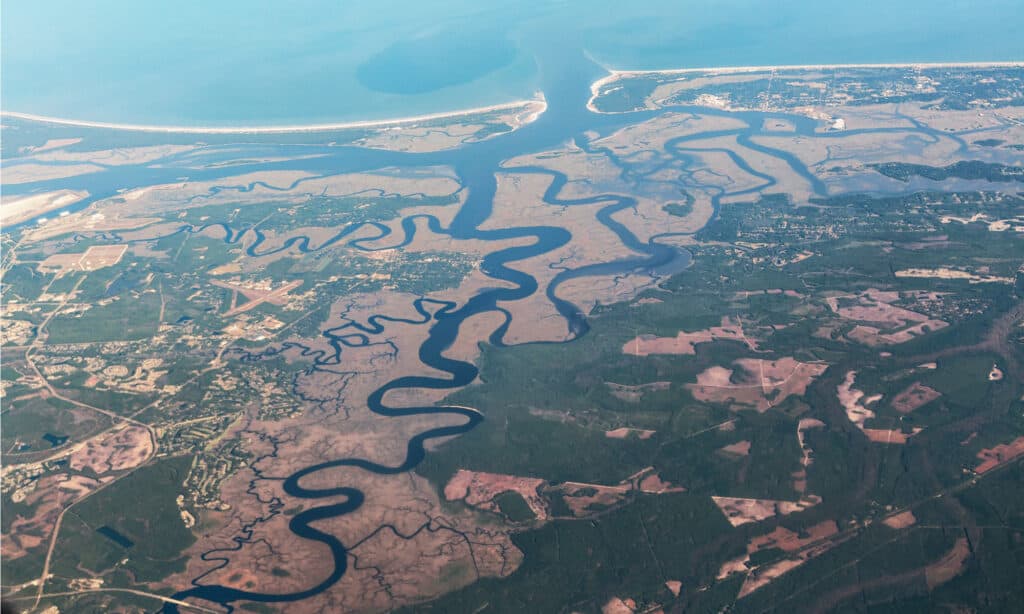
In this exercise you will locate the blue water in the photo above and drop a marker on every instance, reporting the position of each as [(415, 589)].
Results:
[(254, 63), (475, 166), (567, 80), (251, 62), (55, 441)]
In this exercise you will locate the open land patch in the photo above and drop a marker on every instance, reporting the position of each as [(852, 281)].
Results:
[(859, 414), (756, 383), (791, 541), (997, 455), (950, 565), (798, 551), (479, 489), (633, 394), (948, 273), (46, 498), (901, 520), (684, 342), (914, 396), (95, 257), (120, 449), (895, 324), (739, 511), (736, 450), (625, 432)]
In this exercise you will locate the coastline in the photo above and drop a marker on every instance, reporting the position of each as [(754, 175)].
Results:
[(616, 75), (530, 109), (16, 210)]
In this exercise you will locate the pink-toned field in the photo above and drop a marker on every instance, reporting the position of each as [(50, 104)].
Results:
[(653, 484), (901, 520), (995, 456), (116, 451), (617, 605), (892, 324), (890, 435), (916, 395), (624, 433), (790, 541), (858, 414), (950, 565), (478, 489), (820, 538), (583, 498), (684, 342), (739, 511), (738, 449), (803, 425), (45, 502), (766, 574), (755, 383)]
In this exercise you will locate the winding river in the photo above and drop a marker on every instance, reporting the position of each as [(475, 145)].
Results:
[(567, 80)]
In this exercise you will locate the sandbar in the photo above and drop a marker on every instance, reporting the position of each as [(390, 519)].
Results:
[(537, 106), (22, 208)]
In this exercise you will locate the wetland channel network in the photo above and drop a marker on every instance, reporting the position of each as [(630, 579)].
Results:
[(566, 83)]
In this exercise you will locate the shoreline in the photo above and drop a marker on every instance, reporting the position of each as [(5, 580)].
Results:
[(15, 210), (616, 75), (531, 109)]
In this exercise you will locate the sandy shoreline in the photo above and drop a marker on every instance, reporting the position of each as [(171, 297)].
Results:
[(535, 107), (17, 209), (615, 75), (532, 108)]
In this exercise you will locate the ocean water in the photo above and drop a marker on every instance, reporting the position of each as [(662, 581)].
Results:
[(255, 62)]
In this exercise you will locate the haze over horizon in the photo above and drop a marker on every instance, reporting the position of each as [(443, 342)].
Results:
[(239, 63)]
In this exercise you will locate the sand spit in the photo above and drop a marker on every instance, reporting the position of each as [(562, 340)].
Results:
[(19, 209), (535, 106)]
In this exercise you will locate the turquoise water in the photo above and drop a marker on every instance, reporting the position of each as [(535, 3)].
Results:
[(256, 62)]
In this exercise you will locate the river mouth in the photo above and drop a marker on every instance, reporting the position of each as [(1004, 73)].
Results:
[(324, 62), (476, 166)]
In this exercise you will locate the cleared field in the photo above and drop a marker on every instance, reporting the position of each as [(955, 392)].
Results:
[(93, 258), (995, 456), (684, 342), (916, 395), (739, 511), (755, 383)]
